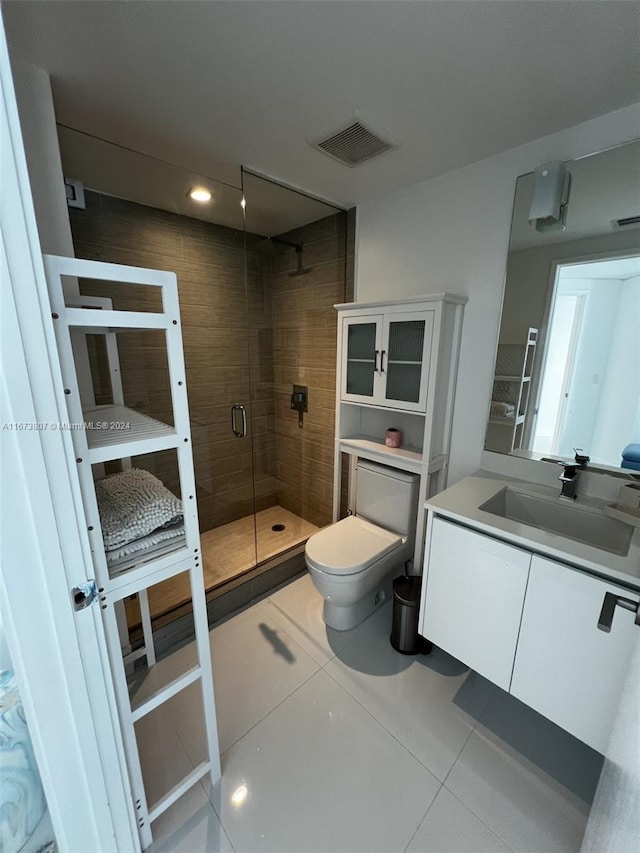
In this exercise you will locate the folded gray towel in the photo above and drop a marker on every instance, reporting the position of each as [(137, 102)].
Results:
[(133, 504)]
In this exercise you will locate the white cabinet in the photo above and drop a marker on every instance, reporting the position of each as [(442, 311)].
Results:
[(397, 364), (472, 598), (566, 668), (530, 625), (385, 359)]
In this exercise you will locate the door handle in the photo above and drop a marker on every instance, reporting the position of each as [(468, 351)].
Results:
[(609, 606), (85, 595), (375, 361), (235, 409), (382, 355)]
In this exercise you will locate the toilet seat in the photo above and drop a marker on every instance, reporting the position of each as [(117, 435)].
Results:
[(349, 546)]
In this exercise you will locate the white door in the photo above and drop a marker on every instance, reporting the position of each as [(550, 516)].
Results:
[(566, 667), (59, 655), (472, 598)]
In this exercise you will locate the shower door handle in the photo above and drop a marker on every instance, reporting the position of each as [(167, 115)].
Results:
[(238, 407)]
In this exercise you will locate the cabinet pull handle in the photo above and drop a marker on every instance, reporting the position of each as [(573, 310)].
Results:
[(609, 606), (375, 361), (382, 355)]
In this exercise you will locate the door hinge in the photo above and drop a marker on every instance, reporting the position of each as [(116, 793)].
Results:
[(83, 596)]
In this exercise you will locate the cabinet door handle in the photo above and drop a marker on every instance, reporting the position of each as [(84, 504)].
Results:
[(609, 606), (375, 369), (382, 355)]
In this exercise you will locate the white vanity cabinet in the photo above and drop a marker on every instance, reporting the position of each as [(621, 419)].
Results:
[(529, 624), (566, 667), (385, 359), (472, 598)]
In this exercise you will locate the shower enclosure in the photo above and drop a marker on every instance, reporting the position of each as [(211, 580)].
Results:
[(258, 274)]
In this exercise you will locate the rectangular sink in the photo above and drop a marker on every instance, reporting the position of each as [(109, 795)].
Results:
[(582, 524)]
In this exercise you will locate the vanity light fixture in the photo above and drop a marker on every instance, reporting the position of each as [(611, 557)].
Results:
[(200, 194), (550, 197)]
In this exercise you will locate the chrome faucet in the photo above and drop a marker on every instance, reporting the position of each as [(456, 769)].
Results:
[(569, 480), (569, 476)]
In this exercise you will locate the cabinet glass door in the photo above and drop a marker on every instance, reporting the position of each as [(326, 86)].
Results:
[(405, 360), (361, 357)]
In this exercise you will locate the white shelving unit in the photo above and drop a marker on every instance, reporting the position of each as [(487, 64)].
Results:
[(116, 432), (512, 386), (397, 364)]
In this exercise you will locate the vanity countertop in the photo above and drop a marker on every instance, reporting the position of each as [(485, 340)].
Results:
[(461, 503)]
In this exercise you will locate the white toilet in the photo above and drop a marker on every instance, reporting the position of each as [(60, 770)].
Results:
[(353, 562)]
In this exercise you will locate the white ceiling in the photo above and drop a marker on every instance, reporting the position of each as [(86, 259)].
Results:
[(619, 269), (194, 83)]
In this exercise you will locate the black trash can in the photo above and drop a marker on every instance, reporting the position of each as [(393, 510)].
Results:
[(404, 629)]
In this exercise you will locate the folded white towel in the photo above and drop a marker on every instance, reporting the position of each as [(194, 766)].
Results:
[(132, 505), (502, 410)]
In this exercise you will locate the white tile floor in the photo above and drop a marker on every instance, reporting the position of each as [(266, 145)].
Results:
[(344, 745)]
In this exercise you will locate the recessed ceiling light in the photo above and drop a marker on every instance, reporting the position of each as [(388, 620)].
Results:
[(200, 194)]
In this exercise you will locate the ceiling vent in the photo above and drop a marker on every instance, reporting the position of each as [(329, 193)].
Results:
[(627, 222), (353, 145)]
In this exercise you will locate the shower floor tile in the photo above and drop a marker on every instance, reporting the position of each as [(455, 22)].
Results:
[(230, 550)]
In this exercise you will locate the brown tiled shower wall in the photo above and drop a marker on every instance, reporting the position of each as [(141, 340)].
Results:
[(289, 337)]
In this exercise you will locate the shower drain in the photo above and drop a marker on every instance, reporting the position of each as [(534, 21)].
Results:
[(277, 528)]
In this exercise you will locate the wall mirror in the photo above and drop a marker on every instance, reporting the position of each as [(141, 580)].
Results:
[(567, 371)]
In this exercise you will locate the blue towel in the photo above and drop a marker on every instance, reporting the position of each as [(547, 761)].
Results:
[(631, 457)]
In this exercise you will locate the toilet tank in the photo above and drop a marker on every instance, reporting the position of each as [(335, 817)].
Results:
[(386, 496)]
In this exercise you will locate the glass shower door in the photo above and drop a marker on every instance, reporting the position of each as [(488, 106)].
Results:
[(296, 271)]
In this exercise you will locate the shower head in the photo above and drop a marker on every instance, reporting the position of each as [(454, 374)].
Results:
[(269, 245), (299, 270)]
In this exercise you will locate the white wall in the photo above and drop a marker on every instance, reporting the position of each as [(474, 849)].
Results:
[(38, 124), (451, 233)]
